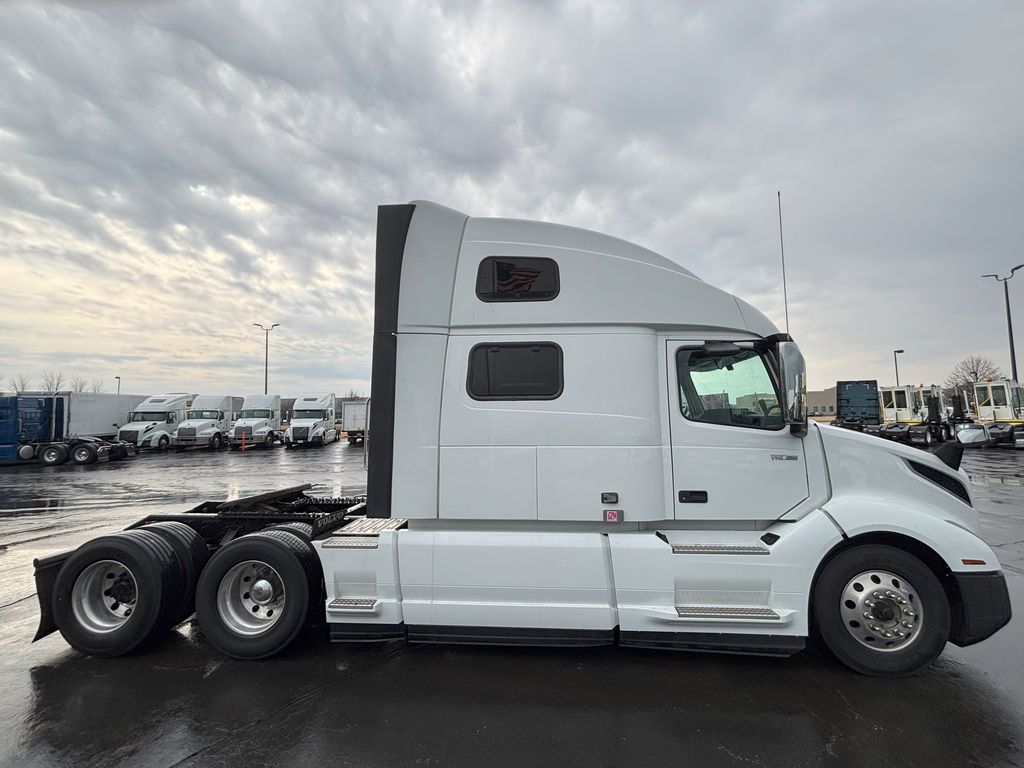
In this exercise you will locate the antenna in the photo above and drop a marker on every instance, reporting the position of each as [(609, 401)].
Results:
[(782, 248)]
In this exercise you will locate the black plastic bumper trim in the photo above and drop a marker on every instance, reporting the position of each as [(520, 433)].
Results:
[(748, 645), (981, 609), (573, 638), (365, 633)]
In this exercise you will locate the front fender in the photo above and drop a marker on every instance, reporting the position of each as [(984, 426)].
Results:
[(857, 515)]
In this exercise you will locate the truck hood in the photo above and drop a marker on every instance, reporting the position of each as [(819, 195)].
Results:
[(872, 466), (254, 423), (307, 423), (199, 425), (140, 426)]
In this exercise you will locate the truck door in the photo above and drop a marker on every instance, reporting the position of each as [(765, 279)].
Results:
[(8, 428), (1001, 408), (733, 456)]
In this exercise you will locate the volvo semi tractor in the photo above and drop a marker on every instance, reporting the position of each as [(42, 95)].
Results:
[(259, 422), (152, 423), (208, 422), (312, 421), (999, 404), (353, 420), (514, 496), (56, 427)]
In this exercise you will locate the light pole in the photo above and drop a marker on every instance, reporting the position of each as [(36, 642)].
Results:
[(896, 364), (118, 384), (1009, 322), (266, 352)]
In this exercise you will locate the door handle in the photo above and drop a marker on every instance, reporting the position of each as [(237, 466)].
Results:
[(366, 438), (693, 497)]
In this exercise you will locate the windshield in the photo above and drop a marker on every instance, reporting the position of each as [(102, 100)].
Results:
[(149, 416), (203, 415), (901, 398), (255, 413), (308, 415)]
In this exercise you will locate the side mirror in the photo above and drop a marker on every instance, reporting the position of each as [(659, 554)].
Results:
[(793, 379)]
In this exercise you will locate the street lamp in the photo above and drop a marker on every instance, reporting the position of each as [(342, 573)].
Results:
[(118, 384), (1009, 323), (896, 363), (266, 352)]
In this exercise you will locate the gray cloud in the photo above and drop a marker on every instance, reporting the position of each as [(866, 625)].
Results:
[(172, 172)]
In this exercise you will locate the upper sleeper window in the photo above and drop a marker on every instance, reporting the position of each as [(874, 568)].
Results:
[(518, 371), (517, 278)]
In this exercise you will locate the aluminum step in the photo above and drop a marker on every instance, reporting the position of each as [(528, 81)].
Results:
[(351, 542), (719, 549), (371, 526), (352, 604), (756, 613)]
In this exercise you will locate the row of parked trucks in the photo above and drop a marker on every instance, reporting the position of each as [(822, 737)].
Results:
[(922, 415), (57, 427)]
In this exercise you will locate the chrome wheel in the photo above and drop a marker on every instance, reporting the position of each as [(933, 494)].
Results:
[(881, 610), (104, 596), (81, 454), (250, 598)]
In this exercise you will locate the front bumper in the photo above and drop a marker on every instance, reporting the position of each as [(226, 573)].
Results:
[(981, 608)]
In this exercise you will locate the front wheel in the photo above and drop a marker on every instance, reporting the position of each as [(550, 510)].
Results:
[(163, 443), (216, 442), (881, 611)]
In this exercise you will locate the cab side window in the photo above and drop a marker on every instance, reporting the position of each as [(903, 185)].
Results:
[(515, 371), (733, 389)]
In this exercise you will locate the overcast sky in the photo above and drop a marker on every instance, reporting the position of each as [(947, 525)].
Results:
[(172, 172)]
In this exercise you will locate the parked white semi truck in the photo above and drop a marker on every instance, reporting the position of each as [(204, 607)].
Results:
[(353, 419), (152, 423), (912, 415), (312, 421), (207, 423), (259, 423), (514, 496)]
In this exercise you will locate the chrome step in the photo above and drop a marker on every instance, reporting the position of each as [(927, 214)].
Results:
[(351, 542), (726, 612), (719, 549), (352, 604)]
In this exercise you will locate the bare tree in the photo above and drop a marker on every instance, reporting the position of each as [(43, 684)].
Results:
[(97, 385), (78, 384), (971, 369), (353, 394), (52, 380), (21, 383)]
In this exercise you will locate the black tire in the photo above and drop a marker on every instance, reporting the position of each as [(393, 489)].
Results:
[(84, 453), (216, 442), (193, 554), (269, 442), (163, 443), (930, 597), (299, 572), (156, 571), (54, 454), (303, 530)]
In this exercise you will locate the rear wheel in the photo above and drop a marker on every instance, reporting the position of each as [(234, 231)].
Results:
[(881, 611), (193, 555), (84, 453), (116, 592), (54, 454), (256, 594)]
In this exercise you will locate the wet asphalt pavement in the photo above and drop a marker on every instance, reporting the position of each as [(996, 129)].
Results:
[(180, 704)]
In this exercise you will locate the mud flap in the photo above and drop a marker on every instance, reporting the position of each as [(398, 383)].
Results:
[(47, 569)]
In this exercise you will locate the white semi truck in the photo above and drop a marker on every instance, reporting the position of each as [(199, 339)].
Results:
[(515, 497), (207, 423), (259, 423), (312, 421), (353, 420), (913, 414), (152, 423), (999, 404)]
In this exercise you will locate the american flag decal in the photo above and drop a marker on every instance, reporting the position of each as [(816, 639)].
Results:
[(513, 278)]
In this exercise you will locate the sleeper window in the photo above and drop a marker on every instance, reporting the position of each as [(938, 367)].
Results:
[(519, 371), (734, 389), (517, 278)]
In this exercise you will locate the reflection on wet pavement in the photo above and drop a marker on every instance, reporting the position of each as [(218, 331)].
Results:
[(179, 704)]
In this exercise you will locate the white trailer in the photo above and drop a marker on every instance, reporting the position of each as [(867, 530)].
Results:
[(312, 421), (259, 422), (515, 496), (353, 419), (208, 422), (56, 427), (152, 423)]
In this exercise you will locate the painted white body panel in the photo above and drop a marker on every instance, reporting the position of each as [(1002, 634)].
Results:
[(353, 416)]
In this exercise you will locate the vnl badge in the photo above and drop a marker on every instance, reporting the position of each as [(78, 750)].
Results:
[(613, 515)]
